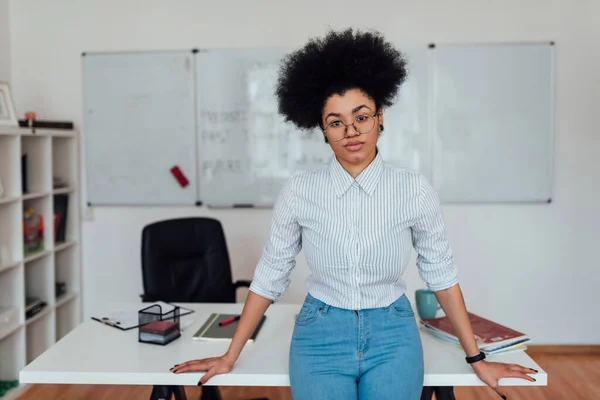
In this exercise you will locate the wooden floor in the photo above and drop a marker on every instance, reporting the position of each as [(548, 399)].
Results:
[(569, 378)]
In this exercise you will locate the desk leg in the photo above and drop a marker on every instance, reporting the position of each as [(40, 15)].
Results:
[(427, 393), (164, 392), (179, 392), (441, 393), (210, 393), (444, 393), (160, 392)]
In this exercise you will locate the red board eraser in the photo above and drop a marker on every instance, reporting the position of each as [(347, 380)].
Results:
[(181, 178)]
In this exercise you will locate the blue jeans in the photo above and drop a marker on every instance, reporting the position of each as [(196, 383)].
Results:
[(365, 354)]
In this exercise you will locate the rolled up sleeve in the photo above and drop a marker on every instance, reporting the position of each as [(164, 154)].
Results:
[(271, 277), (434, 256)]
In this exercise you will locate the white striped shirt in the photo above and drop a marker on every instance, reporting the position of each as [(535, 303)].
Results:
[(357, 235)]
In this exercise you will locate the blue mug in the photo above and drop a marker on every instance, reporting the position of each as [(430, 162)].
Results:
[(427, 304)]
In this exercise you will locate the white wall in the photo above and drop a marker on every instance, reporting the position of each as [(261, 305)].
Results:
[(4, 42), (533, 267)]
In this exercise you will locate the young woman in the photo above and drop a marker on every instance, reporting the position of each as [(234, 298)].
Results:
[(357, 220)]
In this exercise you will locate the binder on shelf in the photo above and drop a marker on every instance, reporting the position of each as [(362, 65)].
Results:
[(24, 174), (61, 203)]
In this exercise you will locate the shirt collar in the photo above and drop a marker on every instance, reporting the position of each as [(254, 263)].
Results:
[(367, 179)]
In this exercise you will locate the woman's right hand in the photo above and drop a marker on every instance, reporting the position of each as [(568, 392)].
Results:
[(254, 309), (213, 366)]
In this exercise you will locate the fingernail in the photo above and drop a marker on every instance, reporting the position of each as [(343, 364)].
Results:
[(199, 383), (504, 397), (534, 370), (534, 379), (175, 365)]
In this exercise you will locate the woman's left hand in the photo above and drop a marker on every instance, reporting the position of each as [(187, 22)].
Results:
[(491, 372)]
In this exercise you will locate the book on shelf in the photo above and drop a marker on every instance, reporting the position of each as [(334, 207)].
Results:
[(491, 337), (61, 205), (33, 306)]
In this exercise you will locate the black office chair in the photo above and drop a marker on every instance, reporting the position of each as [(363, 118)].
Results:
[(186, 260)]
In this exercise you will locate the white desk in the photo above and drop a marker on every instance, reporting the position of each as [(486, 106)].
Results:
[(99, 354)]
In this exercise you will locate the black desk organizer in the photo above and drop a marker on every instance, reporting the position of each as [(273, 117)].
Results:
[(149, 319)]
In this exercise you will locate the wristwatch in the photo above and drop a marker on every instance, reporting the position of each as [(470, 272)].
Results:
[(478, 357)]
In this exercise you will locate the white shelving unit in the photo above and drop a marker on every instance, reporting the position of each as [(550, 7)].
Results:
[(50, 154)]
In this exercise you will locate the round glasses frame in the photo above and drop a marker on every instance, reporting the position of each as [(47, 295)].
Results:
[(360, 132)]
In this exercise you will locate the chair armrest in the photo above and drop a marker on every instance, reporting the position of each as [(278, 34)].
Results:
[(241, 283)]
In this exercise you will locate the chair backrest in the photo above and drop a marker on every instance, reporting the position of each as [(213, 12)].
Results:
[(186, 260)]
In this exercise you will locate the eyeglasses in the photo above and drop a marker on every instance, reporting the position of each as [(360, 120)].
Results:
[(362, 124)]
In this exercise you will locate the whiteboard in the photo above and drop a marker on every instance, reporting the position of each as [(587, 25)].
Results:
[(476, 120), (246, 149), (139, 122), (493, 122), (406, 138)]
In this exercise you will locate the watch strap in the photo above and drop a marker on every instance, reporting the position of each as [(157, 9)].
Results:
[(478, 357)]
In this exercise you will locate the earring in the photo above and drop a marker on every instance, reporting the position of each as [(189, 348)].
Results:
[(380, 128), (326, 140)]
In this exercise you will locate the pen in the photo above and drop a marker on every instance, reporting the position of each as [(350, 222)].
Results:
[(229, 321)]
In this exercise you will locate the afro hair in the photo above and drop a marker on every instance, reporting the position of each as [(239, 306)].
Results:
[(332, 65)]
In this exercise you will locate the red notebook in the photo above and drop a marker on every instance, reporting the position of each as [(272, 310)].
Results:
[(487, 333), (160, 327)]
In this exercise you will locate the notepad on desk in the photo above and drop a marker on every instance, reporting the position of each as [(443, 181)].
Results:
[(129, 318), (212, 331)]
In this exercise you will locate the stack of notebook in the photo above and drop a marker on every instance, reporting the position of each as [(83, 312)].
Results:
[(159, 332), (492, 338)]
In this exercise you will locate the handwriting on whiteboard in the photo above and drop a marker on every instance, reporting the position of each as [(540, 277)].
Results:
[(256, 144)]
